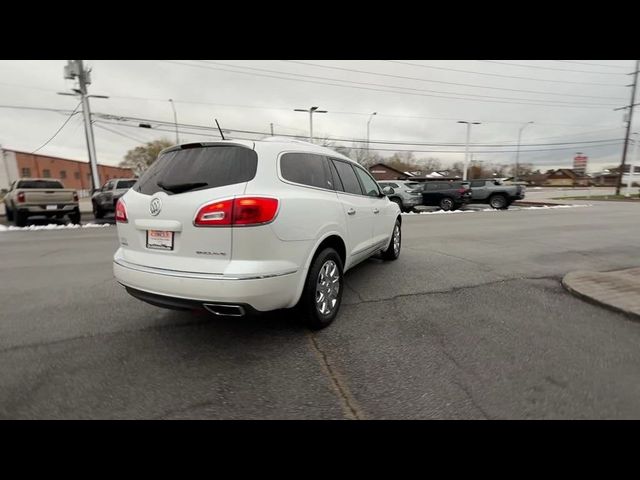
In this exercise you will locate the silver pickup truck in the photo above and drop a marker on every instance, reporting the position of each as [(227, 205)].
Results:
[(496, 193), (31, 197)]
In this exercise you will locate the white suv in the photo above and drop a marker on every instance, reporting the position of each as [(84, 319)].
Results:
[(239, 226)]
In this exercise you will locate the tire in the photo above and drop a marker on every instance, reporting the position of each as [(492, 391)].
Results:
[(446, 204), (325, 265), (20, 219), (398, 202), (98, 213), (9, 213), (75, 217), (392, 253), (499, 202)]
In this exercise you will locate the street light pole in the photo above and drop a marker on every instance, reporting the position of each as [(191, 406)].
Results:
[(515, 174), (368, 124), (175, 120), (311, 111), (632, 163), (466, 150)]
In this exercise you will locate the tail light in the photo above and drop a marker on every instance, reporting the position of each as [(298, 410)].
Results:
[(75, 196), (239, 211), (21, 197), (463, 190), (121, 212)]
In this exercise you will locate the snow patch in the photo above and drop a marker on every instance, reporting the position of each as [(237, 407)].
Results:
[(52, 226), (538, 207)]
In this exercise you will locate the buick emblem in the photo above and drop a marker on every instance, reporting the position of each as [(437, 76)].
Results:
[(155, 206)]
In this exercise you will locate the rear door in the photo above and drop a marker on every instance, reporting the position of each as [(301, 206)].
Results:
[(168, 196), (384, 212), (358, 209)]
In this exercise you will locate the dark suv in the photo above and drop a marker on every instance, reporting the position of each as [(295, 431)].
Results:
[(104, 199), (448, 195)]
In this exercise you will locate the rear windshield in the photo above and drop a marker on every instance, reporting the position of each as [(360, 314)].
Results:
[(198, 168), (126, 183), (51, 184)]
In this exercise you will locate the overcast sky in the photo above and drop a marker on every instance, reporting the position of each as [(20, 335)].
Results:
[(415, 100)]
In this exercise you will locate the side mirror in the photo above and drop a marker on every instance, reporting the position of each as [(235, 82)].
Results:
[(388, 190)]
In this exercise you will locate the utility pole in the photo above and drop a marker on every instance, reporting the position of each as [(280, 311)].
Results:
[(175, 120), (311, 111), (75, 69), (515, 174), (629, 120), (466, 150)]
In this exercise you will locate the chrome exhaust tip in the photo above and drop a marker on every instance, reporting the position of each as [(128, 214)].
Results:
[(225, 310)]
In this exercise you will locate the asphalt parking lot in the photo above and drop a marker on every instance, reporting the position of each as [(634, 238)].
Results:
[(470, 323)]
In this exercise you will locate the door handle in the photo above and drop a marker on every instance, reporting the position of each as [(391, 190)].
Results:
[(351, 211), (375, 210)]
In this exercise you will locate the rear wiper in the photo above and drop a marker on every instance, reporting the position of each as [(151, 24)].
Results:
[(181, 187)]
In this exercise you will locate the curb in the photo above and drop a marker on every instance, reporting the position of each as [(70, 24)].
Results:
[(589, 299)]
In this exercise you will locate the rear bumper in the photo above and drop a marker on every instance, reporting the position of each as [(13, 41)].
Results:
[(173, 289)]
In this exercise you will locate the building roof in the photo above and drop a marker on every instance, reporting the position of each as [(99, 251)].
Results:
[(389, 168)]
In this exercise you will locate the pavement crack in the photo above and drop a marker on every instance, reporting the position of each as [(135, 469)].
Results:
[(347, 402), (453, 289)]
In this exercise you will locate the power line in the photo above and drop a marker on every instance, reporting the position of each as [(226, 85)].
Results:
[(449, 83), (550, 102), (551, 68), (585, 106), (572, 147), (61, 127), (592, 64), (119, 133), (502, 76)]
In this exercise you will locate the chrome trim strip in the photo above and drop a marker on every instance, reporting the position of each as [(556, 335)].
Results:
[(202, 276)]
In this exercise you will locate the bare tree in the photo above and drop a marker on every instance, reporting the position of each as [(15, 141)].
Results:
[(140, 158)]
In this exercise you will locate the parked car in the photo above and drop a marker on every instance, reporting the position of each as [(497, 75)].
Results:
[(495, 193), (238, 226), (104, 199), (30, 197), (448, 195), (405, 193)]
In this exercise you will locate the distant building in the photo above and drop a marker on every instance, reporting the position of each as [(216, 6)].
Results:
[(566, 177), (380, 171), (534, 179), (73, 173)]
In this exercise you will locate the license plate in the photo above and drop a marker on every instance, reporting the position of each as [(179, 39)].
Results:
[(160, 239), (52, 207)]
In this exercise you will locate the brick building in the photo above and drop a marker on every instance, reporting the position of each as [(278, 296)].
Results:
[(73, 173)]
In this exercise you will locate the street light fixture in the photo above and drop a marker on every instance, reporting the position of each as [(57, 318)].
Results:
[(515, 174), (311, 111), (466, 151), (368, 123)]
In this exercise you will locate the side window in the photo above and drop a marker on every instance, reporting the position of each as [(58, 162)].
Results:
[(306, 169), (337, 183), (477, 183), (368, 184), (348, 177)]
